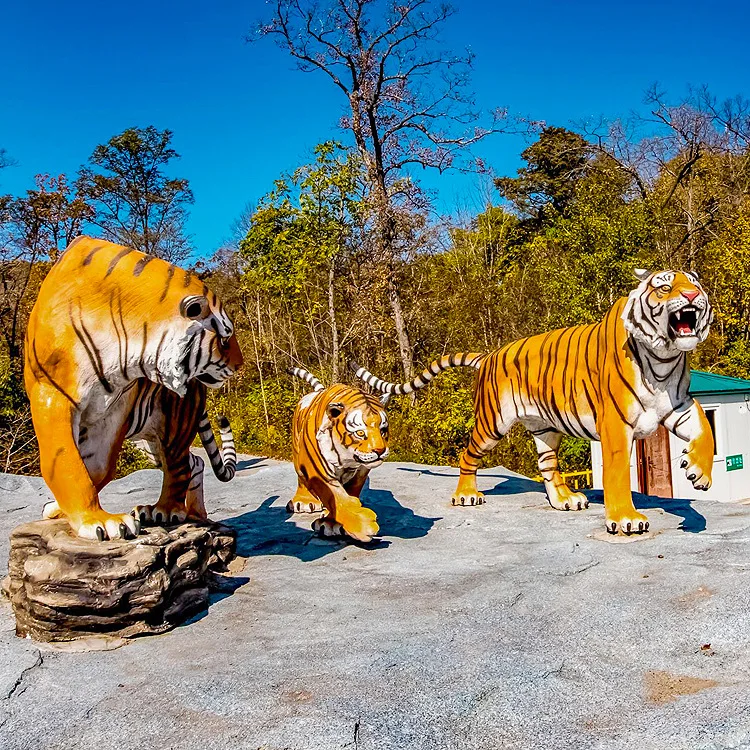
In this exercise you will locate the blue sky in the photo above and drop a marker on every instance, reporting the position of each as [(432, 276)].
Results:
[(76, 73)]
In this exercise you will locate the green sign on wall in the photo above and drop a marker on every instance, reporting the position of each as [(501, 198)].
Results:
[(734, 462)]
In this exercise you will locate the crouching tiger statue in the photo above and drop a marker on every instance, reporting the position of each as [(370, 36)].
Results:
[(121, 344), (613, 381), (339, 435)]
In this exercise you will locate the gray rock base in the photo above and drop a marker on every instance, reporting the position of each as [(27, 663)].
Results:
[(64, 588)]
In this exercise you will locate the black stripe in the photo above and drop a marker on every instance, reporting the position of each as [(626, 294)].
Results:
[(170, 274), (141, 264), (91, 255), (113, 263)]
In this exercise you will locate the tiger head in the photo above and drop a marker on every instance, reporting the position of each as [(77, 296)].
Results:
[(356, 434), (208, 348), (668, 310)]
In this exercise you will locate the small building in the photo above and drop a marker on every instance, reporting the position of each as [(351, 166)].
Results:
[(655, 462)]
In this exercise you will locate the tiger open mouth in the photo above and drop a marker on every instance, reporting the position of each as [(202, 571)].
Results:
[(682, 322)]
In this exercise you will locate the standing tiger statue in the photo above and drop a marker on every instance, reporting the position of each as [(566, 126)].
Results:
[(339, 434), (614, 381), (123, 345)]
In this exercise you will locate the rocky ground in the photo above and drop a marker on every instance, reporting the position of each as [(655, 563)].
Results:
[(510, 625)]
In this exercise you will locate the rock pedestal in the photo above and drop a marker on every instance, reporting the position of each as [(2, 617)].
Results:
[(63, 588)]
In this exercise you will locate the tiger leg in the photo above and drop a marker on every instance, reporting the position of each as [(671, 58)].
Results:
[(559, 495), (76, 496), (480, 444), (617, 444), (345, 514), (303, 501), (194, 504), (171, 506), (689, 423)]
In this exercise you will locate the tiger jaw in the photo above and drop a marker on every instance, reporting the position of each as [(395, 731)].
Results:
[(682, 326), (372, 459)]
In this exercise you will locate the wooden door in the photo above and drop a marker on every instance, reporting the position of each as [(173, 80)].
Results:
[(654, 466)]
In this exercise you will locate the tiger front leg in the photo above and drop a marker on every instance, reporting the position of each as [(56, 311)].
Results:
[(344, 514), (76, 497), (689, 423), (467, 493), (559, 495), (617, 444)]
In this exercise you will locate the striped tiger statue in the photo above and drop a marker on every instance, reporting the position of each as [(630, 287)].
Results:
[(614, 381), (339, 434), (123, 345)]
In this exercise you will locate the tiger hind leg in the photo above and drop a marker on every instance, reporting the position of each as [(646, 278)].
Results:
[(194, 503), (171, 506), (559, 495), (304, 501)]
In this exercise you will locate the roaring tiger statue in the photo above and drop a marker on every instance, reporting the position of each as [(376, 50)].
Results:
[(339, 434), (614, 381), (123, 345)]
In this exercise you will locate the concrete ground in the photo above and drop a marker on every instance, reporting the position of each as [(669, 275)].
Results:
[(510, 625)]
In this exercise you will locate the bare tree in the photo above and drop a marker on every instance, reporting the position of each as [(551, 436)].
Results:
[(408, 102)]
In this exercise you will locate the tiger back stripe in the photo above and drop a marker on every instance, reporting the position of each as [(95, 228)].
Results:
[(308, 377), (460, 359)]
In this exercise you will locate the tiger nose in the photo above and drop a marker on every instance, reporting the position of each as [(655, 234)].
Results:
[(379, 451), (691, 295)]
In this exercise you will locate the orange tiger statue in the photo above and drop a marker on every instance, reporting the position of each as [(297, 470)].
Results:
[(123, 345), (339, 435), (614, 381)]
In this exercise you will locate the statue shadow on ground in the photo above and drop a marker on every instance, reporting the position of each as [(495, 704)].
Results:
[(270, 530), (692, 521)]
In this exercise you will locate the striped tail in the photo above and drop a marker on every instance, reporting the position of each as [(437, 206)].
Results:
[(308, 377), (460, 359), (224, 460)]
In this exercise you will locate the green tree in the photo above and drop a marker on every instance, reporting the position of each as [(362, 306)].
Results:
[(136, 203)]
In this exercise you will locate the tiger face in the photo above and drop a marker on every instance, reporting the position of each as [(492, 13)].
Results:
[(668, 310), (211, 352), (358, 435)]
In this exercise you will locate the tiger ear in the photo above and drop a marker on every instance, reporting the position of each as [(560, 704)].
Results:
[(335, 410), (385, 398), (692, 272), (641, 273), (194, 307)]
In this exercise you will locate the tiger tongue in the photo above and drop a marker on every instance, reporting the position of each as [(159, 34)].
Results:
[(684, 328)]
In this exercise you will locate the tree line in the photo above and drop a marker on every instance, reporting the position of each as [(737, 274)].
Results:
[(345, 260)]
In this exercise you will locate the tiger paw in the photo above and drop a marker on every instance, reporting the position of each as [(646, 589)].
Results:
[(307, 505), (327, 527), (467, 498), (160, 513), (563, 498), (631, 522), (102, 525), (697, 465), (361, 525)]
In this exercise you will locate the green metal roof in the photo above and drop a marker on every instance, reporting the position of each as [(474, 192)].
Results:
[(710, 384)]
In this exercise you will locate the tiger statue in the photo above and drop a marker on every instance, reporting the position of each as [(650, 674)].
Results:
[(121, 345), (339, 434), (614, 381)]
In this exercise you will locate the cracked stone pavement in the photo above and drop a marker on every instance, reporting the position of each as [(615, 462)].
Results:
[(509, 625)]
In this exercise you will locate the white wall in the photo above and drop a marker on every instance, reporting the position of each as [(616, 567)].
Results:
[(732, 437)]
